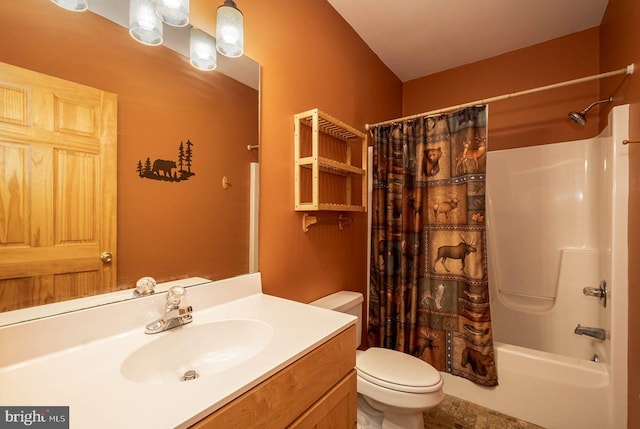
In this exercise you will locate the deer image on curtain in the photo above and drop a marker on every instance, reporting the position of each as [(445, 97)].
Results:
[(429, 285)]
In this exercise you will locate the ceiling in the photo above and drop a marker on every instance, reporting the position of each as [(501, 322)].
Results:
[(416, 38)]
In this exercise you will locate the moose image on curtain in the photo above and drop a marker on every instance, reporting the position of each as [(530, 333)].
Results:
[(429, 285)]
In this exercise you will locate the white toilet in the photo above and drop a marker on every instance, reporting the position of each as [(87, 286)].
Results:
[(394, 388)]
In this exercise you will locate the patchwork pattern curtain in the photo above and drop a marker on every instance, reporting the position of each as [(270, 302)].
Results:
[(429, 290)]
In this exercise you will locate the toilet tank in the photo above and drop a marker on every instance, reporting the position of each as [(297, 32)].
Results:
[(344, 302)]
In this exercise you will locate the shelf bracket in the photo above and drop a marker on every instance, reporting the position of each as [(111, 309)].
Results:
[(307, 221), (342, 220)]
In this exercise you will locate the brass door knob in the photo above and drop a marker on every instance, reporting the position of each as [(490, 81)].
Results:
[(106, 257)]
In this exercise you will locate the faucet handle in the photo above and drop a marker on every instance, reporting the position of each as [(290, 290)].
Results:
[(145, 286), (599, 292), (175, 295)]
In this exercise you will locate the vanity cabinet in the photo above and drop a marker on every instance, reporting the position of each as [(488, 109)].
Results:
[(330, 164), (316, 391)]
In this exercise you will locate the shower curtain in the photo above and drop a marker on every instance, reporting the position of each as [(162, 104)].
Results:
[(429, 289)]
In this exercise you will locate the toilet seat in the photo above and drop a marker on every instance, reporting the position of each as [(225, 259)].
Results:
[(397, 371)]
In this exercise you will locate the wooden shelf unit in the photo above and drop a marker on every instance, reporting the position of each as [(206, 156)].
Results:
[(330, 164)]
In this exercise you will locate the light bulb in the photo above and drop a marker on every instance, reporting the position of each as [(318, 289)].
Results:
[(229, 30), (144, 25), (202, 50), (173, 12)]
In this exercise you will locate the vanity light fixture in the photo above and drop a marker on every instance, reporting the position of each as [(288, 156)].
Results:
[(173, 12), (202, 50), (73, 5), (146, 18), (144, 25), (229, 30)]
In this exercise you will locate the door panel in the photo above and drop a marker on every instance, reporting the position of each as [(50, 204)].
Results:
[(14, 226), (75, 200), (57, 189)]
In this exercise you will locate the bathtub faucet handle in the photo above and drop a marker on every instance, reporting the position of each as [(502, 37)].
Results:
[(598, 292)]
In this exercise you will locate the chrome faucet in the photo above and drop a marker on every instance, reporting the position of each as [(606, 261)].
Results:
[(175, 315), (598, 333)]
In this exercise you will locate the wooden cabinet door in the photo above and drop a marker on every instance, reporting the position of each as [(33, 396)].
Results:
[(57, 189), (297, 391), (336, 410)]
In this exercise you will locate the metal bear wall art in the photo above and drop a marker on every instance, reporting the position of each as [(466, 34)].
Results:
[(169, 170)]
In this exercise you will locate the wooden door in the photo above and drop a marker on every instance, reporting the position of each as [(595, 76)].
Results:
[(57, 189)]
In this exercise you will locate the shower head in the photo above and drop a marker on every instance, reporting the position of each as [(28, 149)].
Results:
[(580, 118)]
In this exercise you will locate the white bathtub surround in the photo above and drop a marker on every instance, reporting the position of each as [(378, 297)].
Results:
[(76, 359), (548, 324), (557, 222)]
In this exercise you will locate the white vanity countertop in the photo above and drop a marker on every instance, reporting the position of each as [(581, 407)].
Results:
[(57, 362)]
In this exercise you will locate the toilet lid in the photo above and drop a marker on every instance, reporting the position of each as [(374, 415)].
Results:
[(398, 371)]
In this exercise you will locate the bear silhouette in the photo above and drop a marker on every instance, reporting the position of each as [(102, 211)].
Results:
[(164, 166)]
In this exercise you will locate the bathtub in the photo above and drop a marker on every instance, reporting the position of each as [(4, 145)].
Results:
[(547, 374), (547, 389)]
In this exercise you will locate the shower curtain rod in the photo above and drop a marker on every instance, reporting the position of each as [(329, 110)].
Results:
[(627, 70)]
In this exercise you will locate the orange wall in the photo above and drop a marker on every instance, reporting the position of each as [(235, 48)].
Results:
[(528, 120), (310, 58), (165, 229), (619, 46)]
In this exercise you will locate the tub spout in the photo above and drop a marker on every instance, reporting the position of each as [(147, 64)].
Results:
[(598, 333)]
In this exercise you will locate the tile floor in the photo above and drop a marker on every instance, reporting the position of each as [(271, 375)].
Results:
[(454, 413)]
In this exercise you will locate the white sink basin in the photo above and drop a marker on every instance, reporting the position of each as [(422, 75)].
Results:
[(207, 349), (239, 338)]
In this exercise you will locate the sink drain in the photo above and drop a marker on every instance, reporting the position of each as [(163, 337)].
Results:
[(189, 375)]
